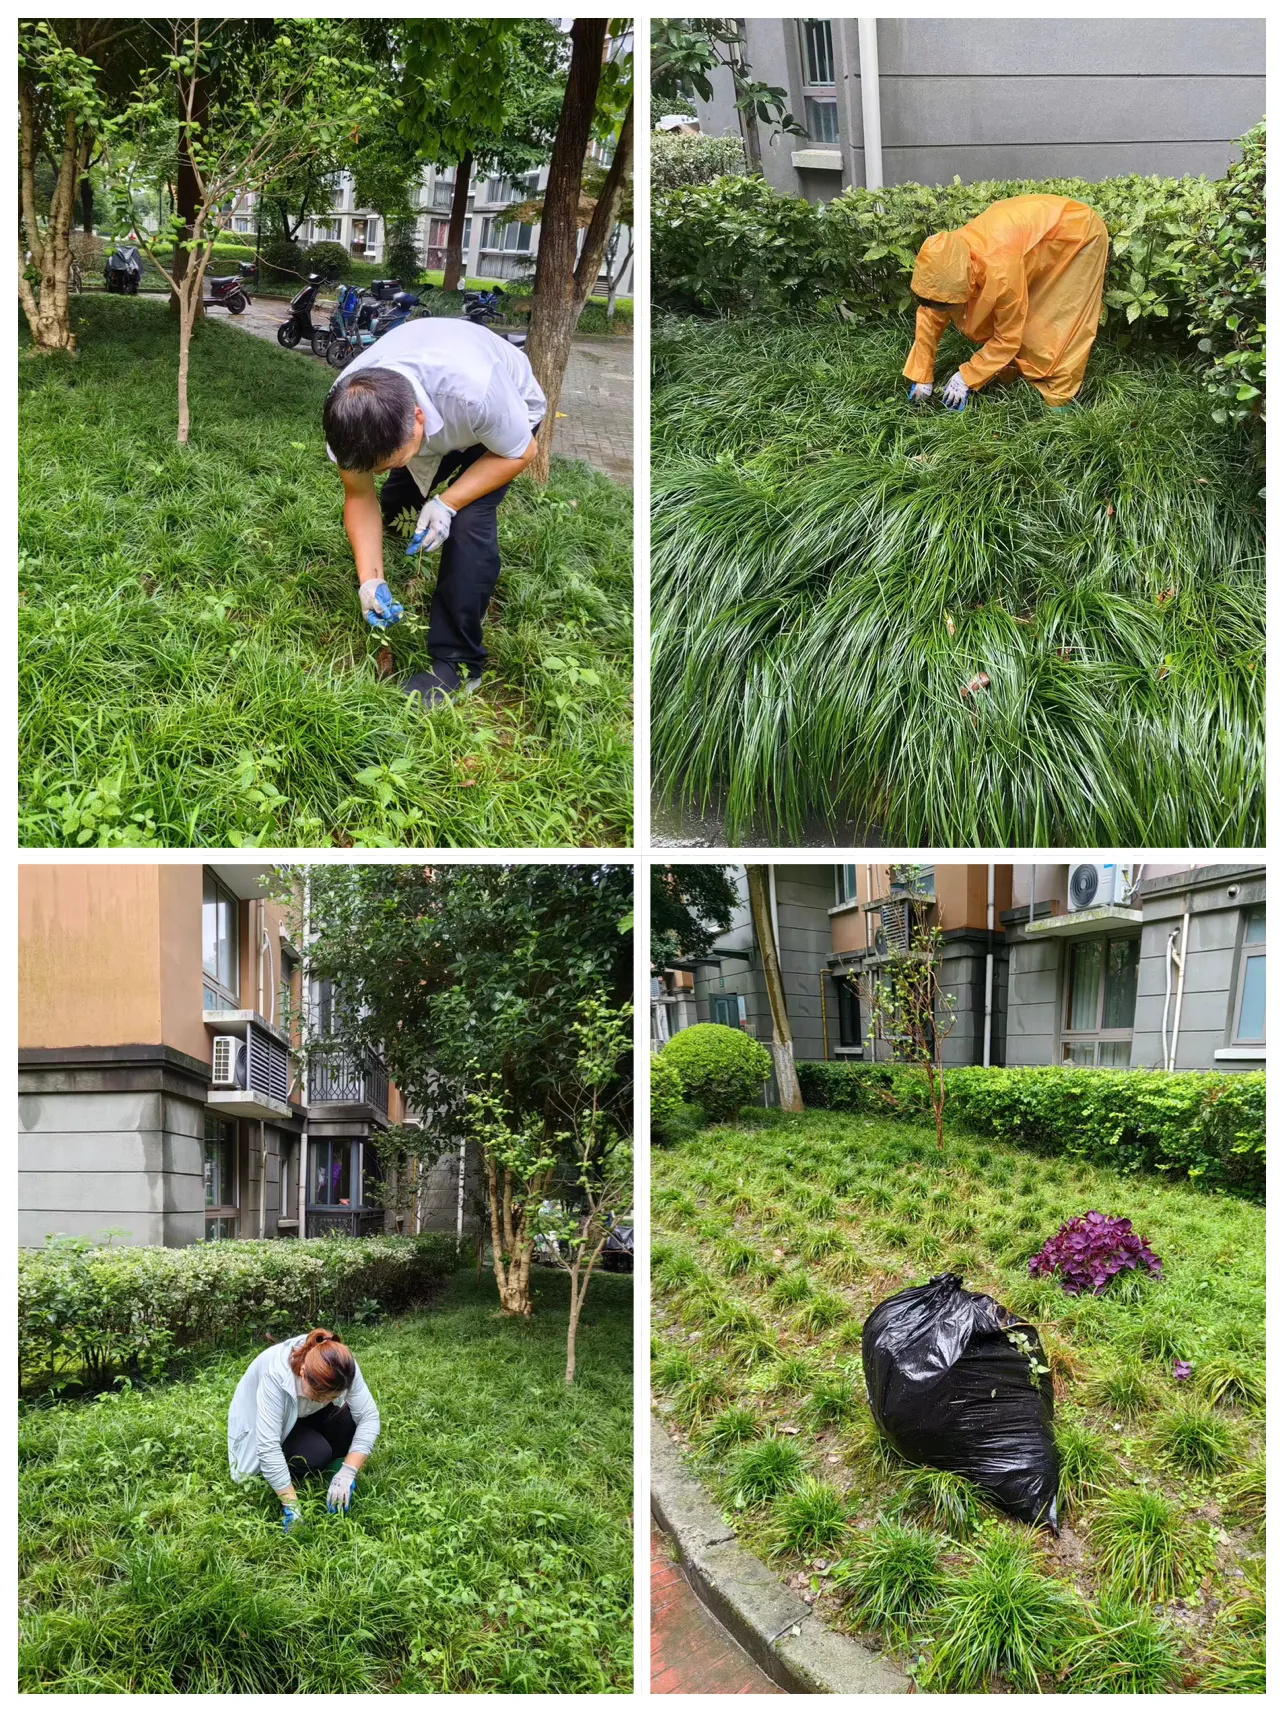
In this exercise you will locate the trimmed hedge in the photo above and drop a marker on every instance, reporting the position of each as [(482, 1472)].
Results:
[(720, 1068), (1187, 264), (678, 160), (87, 1313), (1206, 1126)]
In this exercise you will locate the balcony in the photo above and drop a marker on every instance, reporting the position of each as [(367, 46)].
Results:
[(349, 1081), (345, 1221)]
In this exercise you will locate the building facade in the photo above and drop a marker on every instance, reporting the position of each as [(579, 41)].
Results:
[(1109, 964), (1001, 97), (162, 1094), (493, 248)]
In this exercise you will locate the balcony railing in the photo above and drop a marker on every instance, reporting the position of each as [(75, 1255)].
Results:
[(345, 1221), (349, 1081)]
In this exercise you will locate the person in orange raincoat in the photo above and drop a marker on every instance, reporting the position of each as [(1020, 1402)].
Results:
[(1024, 280)]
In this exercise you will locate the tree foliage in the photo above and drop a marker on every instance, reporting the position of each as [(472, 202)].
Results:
[(691, 904)]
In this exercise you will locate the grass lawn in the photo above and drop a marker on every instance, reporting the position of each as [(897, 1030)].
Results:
[(775, 1237), (194, 669), (488, 1547), (1001, 626)]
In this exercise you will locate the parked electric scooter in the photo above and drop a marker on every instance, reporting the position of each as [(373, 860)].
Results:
[(346, 336), (400, 308), (485, 308), (123, 270), (229, 291), (299, 326)]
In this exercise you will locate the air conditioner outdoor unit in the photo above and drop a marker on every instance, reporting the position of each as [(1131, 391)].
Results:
[(1093, 884), (229, 1061)]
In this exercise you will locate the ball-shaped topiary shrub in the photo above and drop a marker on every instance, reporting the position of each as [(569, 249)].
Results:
[(327, 258), (720, 1068), (666, 1097)]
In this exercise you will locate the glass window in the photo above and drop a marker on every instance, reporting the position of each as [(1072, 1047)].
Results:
[(818, 51), (220, 953), (220, 1230), (726, 1009), (220, 1176), (1250, 1010), (822, 120), (1101, 1001), (845, 883), (332, 1173), (848, 1014)]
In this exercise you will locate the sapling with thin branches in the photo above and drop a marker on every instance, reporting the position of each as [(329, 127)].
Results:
[(519, 1159), (598, 1182), (294, 97)]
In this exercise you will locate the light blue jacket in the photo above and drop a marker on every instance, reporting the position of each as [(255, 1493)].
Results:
[(265, 1409)]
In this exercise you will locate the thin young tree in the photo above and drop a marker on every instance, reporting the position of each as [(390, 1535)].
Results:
[(598, 1185), (295, 95), (782, 1034), (909, 1009)]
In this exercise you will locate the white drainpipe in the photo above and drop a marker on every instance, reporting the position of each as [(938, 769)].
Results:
[(1181, 987), (870, 106), (1169, 960), (459, 1209), (775, 914), (989, 961)]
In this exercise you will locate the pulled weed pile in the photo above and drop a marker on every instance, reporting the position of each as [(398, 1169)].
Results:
[(488, 1547), (775, 1238), (194, 666), (1006, 626)]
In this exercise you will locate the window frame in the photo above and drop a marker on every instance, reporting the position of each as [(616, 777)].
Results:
[(224, 1211), (1098, 1035), (847, 1007), (213, 982), (1249, 950), (806, 57), (842, 897), (356, 1174)]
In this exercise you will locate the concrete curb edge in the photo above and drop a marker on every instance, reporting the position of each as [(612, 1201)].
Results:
[(773, 1625)]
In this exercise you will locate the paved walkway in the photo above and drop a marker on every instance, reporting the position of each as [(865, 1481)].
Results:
[(595, 412), (691, 1653)]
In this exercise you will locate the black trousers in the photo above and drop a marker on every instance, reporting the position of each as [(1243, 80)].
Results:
[(469, 566), (317, 1440)]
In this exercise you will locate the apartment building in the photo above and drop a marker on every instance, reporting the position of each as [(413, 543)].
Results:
[(161, 1091), (1110, 964), (997, 97), (492, 248)]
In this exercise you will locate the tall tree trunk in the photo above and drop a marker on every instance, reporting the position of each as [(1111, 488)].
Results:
[(554, 308), (782, 1035), (188, 191), (577, 1302), (600, 226), (47, 306), (748, 117), (455, 234)]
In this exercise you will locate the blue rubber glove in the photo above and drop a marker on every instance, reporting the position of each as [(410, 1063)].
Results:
[(377, 603), (291, 1516), (339, 1496), (920, 392), (956, 393), (432, 528)]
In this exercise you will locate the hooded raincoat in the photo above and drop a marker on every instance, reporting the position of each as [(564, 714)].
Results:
[(266, 1407), (1028, 275)]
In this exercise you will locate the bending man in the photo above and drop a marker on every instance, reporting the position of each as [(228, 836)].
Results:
[(1023, 280), (436, 403), (302, 1408)]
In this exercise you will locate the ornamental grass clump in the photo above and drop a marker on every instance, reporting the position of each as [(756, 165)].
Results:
[(1087, 1252)]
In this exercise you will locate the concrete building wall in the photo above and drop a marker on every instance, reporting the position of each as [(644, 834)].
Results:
[(1018, 98), (1032, 1000)]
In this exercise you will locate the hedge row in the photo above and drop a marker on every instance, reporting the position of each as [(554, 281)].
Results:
[(87, 1313), (1188, 255), (1207, 1127), (678, 160)]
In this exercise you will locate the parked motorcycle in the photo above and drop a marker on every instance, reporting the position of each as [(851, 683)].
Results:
[(394, 312), (485, 308), (229, 291), (359, 319), (299, 326), (123, 270)]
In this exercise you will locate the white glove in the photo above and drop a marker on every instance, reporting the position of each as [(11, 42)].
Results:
[(432, 528), (920, 392), (956, 392), (377, 603), (339, 1497)]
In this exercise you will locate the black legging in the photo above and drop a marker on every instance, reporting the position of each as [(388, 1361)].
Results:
[(469, 566), (317, 1440)]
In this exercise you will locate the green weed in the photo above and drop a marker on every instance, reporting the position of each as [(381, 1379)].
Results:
[(1001, 1618), (944, 1502), (1087, 1463), (811, 1518), (1226, 1380), (733, 1427), (1196, 1438), (764, 1470), (891, 1575), (1142, 1543), (1126, 1650)]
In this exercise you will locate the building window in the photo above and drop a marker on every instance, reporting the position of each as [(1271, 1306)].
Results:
[(818, 52), (849, 1034), (822, 120), (1101, 998), (332, 1172), (728, 1009), (511, 236), (220, 1178), (220, 955), (1250, 997), (845, 883)]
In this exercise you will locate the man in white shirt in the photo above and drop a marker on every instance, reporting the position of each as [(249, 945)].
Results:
[(436, 401)]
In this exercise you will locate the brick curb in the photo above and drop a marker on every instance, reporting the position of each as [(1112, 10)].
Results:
[(774, 1626)]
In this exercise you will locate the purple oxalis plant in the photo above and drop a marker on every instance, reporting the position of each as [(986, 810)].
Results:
[(1087, 1252)]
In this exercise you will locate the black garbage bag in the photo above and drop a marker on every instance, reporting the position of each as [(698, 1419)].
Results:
[(950, 1387)]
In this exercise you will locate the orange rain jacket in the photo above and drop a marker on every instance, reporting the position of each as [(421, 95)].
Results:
[(1028, 275)]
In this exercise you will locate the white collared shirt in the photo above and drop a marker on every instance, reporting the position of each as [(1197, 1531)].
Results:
[(474, 389)]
